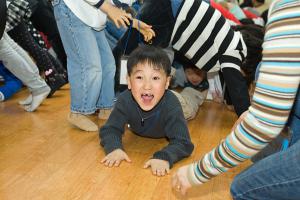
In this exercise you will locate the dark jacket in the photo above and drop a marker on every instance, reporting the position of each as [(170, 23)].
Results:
[(165, 120)]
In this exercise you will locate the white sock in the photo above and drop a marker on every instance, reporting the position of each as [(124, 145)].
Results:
[(26, 101), (1, 96), (36, 101)]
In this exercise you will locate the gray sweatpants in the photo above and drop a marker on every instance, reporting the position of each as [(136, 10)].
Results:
[(18, 62), (190, 100)]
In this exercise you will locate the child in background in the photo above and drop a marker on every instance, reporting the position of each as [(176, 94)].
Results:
[(11, 84), (150, 110), (194, 83)]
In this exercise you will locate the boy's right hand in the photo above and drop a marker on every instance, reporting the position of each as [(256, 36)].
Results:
[(114, 158)]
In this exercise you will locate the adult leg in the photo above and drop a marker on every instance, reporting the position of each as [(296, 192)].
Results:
[(20, 64), (84, 66), (276, 177), (21, 35), (294, 120), (107, 94)]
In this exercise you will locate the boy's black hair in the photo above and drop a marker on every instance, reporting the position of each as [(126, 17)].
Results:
[(253, 36), (152, 55)]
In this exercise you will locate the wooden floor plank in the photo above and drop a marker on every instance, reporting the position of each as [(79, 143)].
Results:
[(43, 157)]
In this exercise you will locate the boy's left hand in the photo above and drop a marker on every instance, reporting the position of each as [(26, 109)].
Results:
[(158, 167)]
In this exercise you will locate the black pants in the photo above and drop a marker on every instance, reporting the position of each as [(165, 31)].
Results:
[(43, 20), (55, 74)]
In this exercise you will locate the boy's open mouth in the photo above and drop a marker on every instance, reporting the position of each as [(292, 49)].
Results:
[(147, 97)]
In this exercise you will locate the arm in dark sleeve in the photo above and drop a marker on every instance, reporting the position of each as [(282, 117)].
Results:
[(180, 145), (111, 133), (237, 89)]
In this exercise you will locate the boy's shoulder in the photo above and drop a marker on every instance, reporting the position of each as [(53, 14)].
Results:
[(170, 95), (170, 100), (124, 96)]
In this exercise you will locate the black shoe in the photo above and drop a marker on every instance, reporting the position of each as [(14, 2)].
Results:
[(54, 80)]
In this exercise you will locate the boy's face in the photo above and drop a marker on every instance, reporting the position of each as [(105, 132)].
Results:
[(193, 77), (147, 85)]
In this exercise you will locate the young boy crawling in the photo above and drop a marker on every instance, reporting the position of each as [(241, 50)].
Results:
[(150, 110)]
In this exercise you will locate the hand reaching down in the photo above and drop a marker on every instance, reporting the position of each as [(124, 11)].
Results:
[(180, 180), (122, 19), (118, 17), (145, 29), (158, 167), (114, 158)]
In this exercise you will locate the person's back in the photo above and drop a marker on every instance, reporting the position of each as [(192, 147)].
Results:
[(209, 42)]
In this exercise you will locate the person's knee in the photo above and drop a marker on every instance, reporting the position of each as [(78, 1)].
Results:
[(233, 189), (109, 68), (236, 189)]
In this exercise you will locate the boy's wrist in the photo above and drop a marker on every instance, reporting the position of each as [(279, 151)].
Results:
[(112, 148), (163, 156)]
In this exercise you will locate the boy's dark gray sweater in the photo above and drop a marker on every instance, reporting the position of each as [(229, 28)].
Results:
[(165, 120)]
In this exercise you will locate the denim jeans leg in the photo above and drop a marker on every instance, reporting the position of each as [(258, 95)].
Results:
[(294, 120), (113, 34), (84, 64), (276, 177), (17, 61), (175, 6), (108, 65)]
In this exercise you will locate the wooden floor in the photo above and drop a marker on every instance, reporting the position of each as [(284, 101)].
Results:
[(43, 157)]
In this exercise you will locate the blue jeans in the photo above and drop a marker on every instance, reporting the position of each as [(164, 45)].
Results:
[(276, 176), (90, 63), (294, 120), (176, 4), (113, 34)]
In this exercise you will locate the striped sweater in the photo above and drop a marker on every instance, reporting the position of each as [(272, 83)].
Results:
[(204, 36), (273, 98)]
